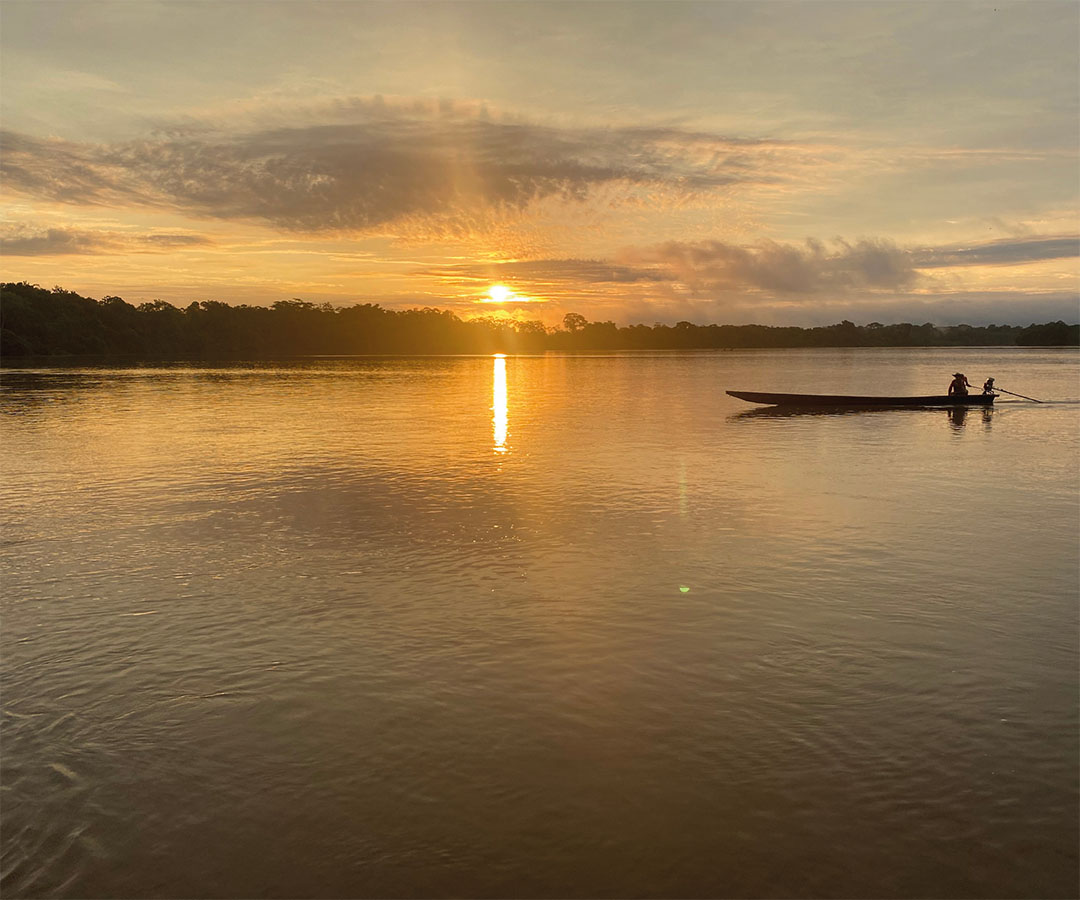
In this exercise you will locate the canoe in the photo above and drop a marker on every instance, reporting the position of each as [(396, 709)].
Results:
[(835, 400)]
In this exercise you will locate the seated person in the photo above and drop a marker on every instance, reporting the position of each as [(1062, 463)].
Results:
[(959, 385)]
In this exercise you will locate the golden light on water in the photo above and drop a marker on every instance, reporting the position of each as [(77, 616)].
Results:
[(498, 403)]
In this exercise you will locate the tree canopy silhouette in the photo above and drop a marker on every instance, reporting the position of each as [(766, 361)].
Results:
[(35, 321)]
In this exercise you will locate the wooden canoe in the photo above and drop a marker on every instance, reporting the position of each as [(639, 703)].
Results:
[(834, 400)]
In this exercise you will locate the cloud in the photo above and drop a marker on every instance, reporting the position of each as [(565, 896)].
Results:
[(1007, 252), (778, 268), (361, 165), (65, 241), (741, 308), (540, 272), (810, 272)]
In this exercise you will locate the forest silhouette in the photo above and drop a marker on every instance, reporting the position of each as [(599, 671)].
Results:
[(40, 322)]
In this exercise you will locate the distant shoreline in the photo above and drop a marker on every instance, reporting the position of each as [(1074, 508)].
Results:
[(40, 323)]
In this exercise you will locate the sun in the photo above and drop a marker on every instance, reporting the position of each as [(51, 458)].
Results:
[(504, 296)]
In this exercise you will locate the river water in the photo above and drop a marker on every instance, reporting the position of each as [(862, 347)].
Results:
[(540, 627)]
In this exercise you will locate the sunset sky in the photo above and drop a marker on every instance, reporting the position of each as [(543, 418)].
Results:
[(773, 162)]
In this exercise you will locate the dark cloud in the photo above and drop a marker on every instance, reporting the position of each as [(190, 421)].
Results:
[(65, 241), (373, 164), (1007, 252), (809, 268)]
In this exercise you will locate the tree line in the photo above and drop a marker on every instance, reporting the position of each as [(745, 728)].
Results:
[(35, 321)]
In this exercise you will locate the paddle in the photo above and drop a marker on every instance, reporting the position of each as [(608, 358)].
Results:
[(1002, 390)]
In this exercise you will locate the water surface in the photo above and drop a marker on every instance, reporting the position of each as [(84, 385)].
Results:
[(552, 626)]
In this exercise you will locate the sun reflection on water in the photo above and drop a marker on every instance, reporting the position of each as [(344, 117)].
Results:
[(498, 403)]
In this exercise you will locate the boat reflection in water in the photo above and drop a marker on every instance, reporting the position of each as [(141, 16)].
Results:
[(498, 404), (957, 415)]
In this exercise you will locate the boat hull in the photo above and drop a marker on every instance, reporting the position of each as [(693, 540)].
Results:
[(837, 400)]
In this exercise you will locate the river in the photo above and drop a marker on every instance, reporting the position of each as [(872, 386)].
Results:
[(555, 626)]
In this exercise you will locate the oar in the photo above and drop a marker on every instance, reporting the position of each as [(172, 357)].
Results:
[(1017, 395)]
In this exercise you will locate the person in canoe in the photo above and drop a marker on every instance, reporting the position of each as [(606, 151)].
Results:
[(959, 384)]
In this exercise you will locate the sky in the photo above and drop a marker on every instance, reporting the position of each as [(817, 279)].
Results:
[(731, 162)]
